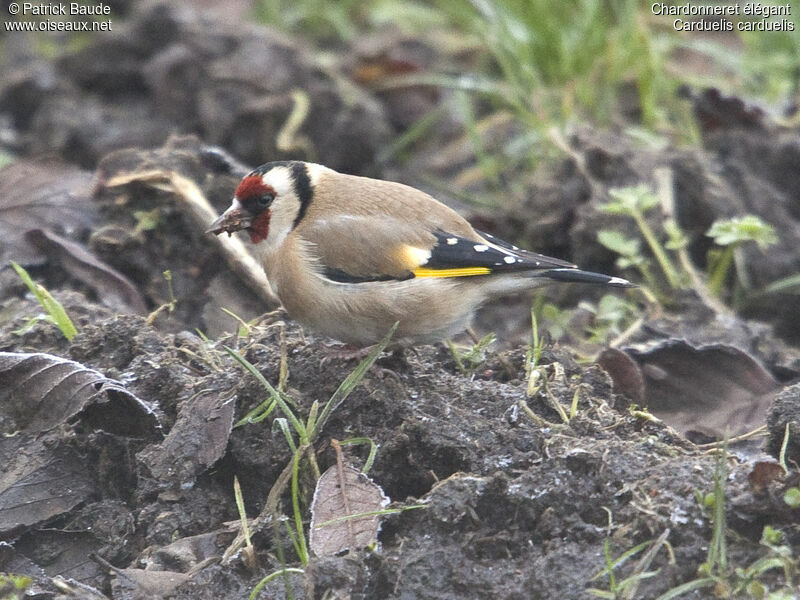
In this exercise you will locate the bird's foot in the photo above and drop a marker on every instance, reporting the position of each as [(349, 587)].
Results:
[(344, 352)]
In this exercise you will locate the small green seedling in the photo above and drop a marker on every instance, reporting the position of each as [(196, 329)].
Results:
[(148, 220), (635, 202), (620, 589), (248, 552), (729, 581), (373, 450), (54, 309), (732, 234), (610, 315), (275, 574), (14, 585), (630, 253), (792, 497), (168, 306), (245, 328), (473, 357), (557, 320)]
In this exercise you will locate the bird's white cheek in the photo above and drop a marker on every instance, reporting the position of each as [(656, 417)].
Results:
[(279, 228)]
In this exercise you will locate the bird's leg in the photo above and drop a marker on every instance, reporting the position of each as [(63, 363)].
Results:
[(347, 352), (344, 352)]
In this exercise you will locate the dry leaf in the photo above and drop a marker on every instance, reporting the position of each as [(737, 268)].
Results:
[(40, 391), (764, 473), (112, 287), (705, 391), (196, 441), (38, 483), (35, 195), (341, 494), (624, 372)]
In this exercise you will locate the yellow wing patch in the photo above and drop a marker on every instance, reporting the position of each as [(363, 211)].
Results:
[(462, 272), (411, 257)]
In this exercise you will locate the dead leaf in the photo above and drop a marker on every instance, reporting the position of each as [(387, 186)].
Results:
[(707, 390), (39, 483), (141, 584), (113, 289), (41, 194), (764, 473), (624, 372), (40, 391), (42, 476), (343, 493), (196, 441)]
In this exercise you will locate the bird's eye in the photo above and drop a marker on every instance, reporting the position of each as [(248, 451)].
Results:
[(265, 200)]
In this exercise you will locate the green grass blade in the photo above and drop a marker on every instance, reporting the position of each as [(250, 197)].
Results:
[(298, 515), (51, 306), (349, 384), (283, 424), (687, 587), (270, 577), (373, 450), (274, 394)]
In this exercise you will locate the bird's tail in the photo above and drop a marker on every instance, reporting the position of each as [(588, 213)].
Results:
[(578, 276)]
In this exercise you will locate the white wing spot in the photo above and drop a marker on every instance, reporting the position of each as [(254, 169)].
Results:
[(415, 256), (510, 260), (618, 281), (481, 247), (538, 263), (452, 241)]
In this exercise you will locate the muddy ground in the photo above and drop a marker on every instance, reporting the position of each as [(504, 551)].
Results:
[(125, 490)]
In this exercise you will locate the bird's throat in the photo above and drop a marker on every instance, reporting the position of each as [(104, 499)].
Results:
[(260, 227)]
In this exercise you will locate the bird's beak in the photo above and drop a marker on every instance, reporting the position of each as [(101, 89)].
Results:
[(231, 220)]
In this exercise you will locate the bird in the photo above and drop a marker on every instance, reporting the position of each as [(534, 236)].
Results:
[(350, 256)]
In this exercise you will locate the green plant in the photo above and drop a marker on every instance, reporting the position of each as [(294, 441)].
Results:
[(334, 22), (630, 253), (248, 552), (792, 497), (168, 306), (13, 587), (729, 581), (611, 313), (731, 235), (626, 588), (557, 319), (284, 572), (554, 58), (148, 220), (373, 450), (472, 357), (635, 202), (300, 436), (54, 309), (245, 328), (534, 353)]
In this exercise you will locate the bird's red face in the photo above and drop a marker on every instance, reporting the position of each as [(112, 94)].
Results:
[(250, 210)]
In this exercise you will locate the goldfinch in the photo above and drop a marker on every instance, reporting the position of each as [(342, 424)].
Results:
[(349, 256)]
